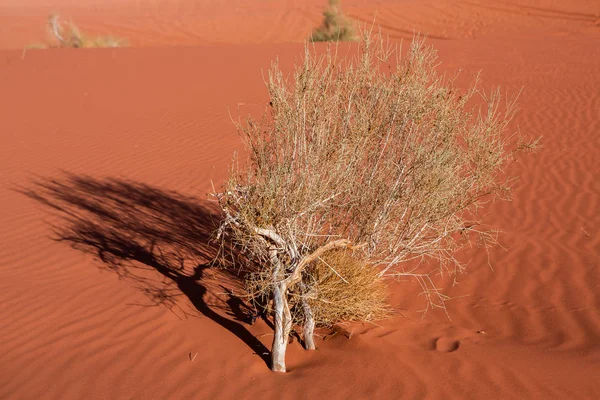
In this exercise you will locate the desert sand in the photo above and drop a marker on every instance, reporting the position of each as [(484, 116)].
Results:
[(131, 140)]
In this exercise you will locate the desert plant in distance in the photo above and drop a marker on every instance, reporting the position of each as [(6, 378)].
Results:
[(335, 26), (360, 165), (71, 36)]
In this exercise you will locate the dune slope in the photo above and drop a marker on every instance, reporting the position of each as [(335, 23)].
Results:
[(106, 159)]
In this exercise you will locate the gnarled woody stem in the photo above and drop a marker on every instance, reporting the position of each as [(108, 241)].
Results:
[(296, 274), (309, 320), (282, 312), (55, 28), (282, 318)]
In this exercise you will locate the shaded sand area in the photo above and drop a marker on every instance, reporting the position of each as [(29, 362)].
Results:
[(106, 157)]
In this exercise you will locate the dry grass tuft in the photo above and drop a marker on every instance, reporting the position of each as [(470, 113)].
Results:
[(70, 36), (335, 26), (344, 287)]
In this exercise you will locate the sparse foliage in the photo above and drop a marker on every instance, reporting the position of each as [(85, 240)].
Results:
[(72, 37), (360, 165), (335, 26)]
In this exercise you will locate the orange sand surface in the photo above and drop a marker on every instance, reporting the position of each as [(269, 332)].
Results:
[(135, 136)]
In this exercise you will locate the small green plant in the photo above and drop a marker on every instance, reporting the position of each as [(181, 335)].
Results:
[(335, 26)]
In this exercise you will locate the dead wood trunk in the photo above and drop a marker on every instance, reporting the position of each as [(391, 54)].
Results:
[(309, 320), (282, 321), (309, 327), (282, 316)]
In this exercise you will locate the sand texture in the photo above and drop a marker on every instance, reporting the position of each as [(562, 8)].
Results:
[(106, 157)]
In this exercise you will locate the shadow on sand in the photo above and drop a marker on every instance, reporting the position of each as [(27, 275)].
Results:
[(133, 228)]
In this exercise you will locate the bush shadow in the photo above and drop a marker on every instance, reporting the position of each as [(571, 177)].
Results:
[(135, 229)]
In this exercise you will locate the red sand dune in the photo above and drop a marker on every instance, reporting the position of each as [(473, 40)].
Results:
[(155, 120)]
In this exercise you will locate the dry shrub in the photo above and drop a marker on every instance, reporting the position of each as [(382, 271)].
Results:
[(72, 37), (345, 287), (377, 152), (342, 287), (335, 26)]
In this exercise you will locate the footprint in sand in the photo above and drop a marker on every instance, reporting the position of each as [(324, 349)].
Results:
[(446, 345)]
